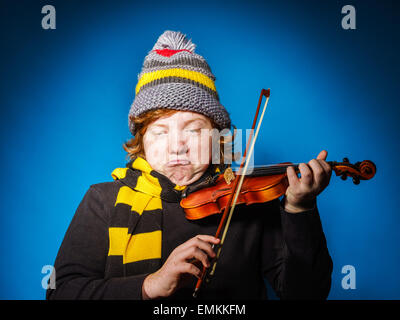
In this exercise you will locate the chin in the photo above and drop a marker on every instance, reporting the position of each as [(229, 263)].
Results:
[(182, 175)]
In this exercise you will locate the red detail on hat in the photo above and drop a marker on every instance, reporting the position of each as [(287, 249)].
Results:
[(169, 52)]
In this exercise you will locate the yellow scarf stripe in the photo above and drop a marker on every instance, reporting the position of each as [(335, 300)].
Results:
[(137, 247), (138, 201), (142, 165), (146, 185), (146, 182), (119, 173), (182, 73), (143, 246), (179, 188)]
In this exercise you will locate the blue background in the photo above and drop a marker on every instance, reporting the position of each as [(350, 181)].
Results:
[(65, 96)]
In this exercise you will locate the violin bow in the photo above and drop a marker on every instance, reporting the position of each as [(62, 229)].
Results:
[(226, 217)]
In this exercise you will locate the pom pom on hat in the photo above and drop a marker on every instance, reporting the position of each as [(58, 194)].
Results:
[(174, 41)]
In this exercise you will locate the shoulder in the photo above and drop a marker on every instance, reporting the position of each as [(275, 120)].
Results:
[(106, 192), (98, 200)]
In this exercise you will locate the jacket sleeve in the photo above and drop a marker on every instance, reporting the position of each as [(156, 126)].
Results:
[(81, 260), (296, 261)]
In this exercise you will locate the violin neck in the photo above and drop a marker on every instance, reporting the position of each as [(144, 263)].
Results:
[(274, 169)]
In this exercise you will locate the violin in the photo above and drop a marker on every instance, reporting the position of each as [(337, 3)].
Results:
[(264, 184)]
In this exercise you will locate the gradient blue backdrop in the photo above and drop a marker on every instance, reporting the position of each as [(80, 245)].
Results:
[(65, 96)]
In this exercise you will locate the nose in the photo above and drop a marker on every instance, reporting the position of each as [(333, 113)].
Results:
[(177, 143)]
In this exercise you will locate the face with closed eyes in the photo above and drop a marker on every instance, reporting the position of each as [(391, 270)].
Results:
[(178, 147)]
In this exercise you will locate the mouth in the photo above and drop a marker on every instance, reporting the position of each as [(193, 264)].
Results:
[(178, 162)]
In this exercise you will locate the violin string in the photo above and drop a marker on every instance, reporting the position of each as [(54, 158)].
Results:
[(270, 170), (275, 168)]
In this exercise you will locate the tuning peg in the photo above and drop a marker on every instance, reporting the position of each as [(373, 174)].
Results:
[(343, 176), (356, 180), (346, 160)]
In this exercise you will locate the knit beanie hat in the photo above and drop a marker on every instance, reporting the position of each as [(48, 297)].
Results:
[(175, 77)]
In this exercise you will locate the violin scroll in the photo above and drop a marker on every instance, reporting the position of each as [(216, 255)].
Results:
[(364, 170)]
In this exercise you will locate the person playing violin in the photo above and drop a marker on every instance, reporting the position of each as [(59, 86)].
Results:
[(130, 239)]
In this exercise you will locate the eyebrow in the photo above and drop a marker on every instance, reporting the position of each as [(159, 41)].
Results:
[(185, 123), (194, 120), (159, 125)]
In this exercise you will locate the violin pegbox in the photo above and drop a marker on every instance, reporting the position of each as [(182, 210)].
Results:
[(363, 170)]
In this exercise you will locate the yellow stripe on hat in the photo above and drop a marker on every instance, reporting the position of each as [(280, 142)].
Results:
[(182, 73)]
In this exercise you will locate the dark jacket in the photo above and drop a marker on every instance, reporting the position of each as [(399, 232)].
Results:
[(263, 242)]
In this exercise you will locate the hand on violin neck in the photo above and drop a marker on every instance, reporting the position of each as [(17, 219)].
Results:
[(314, 178)]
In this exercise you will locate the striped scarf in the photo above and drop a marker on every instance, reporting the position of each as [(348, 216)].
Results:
[(135, 232)]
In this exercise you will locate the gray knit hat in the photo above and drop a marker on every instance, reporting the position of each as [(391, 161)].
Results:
[(175, 77)]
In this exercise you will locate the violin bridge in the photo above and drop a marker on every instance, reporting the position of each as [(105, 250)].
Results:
[(228, 175)]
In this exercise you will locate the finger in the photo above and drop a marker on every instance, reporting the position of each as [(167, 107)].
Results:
[(319, 174), (206, 247), (194, 253), (322, 155), (292, 176), (306, 174), (208, 238), (190, 269), (326, 166), (197, 240), (201, 245)]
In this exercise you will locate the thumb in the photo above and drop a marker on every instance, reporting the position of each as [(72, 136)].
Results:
[(322, 155)]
